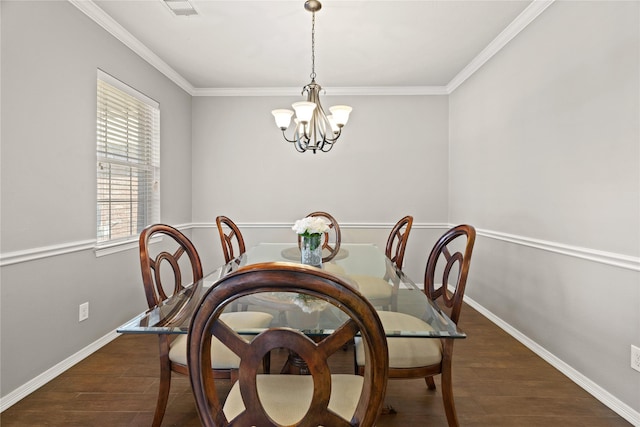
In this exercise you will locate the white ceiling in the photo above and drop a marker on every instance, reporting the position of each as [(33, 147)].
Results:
[(266, 44)]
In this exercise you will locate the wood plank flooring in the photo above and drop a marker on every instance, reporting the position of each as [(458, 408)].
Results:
[(497, 382)]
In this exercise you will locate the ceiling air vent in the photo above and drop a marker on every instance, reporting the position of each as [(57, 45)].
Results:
[(181, 7)]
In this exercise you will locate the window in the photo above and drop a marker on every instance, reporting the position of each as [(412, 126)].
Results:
[(128, 161)]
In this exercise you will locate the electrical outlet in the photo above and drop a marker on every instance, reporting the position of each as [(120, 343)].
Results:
[(635, 357), (84, 312)]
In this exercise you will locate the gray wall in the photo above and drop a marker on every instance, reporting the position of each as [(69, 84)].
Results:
[(544, 144), (538, 150), (50, 53), (390, 161)]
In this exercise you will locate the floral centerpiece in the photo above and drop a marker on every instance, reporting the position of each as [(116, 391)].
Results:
[(310, 230), (310, 225)]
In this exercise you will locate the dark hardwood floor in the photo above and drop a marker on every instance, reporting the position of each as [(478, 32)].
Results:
[(497, 382)]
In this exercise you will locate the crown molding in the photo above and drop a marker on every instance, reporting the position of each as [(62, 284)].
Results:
[(89, 8), (513, 29), (247, 91), (389, 90), (331, 91), (101, 18)]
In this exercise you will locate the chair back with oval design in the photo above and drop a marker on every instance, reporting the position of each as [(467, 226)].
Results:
[(449, 261), (397, 241), (151, 264), (167, 260), (445, 281), (170, 252), (230, 238), (274, 400)]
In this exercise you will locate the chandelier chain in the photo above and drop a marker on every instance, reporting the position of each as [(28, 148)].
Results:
[(313, 46)]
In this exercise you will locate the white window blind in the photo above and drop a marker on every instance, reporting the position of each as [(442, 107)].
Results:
[(128, 161)]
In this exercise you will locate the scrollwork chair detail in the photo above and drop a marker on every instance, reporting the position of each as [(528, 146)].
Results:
[(322, 398)]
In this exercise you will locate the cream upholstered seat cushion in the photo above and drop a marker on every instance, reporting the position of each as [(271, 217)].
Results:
[(286, 398), (405, 352), (221, 356), (375, 289)]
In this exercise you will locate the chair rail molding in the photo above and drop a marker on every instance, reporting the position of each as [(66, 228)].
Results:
[(613, 259), (33, 254), (609, 258)]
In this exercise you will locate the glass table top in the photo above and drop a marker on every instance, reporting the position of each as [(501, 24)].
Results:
[(363, 266)]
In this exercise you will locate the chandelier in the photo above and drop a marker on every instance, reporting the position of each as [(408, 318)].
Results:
[(314, 130)]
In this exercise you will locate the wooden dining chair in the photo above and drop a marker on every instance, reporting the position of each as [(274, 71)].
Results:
[(397, 241), (377, 289), (331, 239), (230, 238), (162, 277), (321, 398), (425, 357)]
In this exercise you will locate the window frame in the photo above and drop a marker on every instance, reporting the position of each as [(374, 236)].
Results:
[(147, 163)]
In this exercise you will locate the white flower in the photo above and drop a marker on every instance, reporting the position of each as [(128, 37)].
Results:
[(311, 225)]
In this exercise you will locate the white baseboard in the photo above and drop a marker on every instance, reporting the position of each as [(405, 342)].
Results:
[(622, 409), (619, 407), (612, 259), (31, 386)]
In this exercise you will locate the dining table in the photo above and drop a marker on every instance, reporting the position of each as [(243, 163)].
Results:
[(357, 264)]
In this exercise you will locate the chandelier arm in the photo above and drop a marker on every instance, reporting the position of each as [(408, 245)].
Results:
[(329, 145), (284, 135), (335, 138), (300, 146), (320, 127)]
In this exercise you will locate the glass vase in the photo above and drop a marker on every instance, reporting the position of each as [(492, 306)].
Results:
[(311, 250)]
